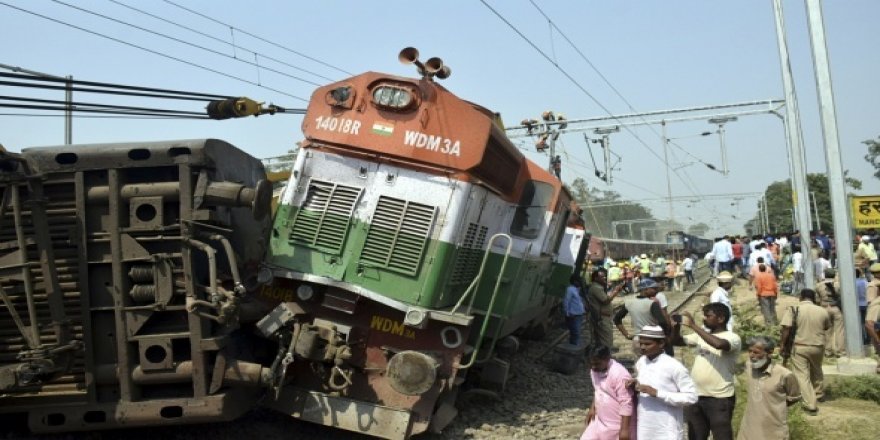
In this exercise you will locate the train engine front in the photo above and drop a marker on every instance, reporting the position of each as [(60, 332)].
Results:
[(412, 237)]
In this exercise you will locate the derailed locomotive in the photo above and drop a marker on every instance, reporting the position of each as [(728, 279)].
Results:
[(411, 241)]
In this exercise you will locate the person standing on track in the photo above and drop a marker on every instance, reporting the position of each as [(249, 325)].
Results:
[(737, 248), (599, 300), (610, 416), (713, 372), (644, 265), (797, 265), (664, 388), (721, 294), (772, 388), (766, 291), (615, 274), (810, 322), (688, 265), (644, 310), (723, 253), (574, 309)]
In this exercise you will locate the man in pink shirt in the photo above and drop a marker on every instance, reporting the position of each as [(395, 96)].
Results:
[(613, 404)]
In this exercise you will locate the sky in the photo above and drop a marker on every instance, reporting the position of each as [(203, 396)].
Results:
[(657, 54)]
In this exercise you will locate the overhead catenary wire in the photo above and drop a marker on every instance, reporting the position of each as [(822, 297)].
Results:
[(188, 43), (575, 82), (42, 115), (220, 40), (265, 40), (30, 81), (98, 110), (78, 105), (603, 77), (152, 51), (108, 88)]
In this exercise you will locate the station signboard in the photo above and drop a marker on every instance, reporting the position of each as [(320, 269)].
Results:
[(865, 211)]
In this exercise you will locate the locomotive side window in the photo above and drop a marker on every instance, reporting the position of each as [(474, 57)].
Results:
[(529, 215)]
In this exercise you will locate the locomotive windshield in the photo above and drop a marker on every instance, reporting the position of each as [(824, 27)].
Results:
[(529, 215)]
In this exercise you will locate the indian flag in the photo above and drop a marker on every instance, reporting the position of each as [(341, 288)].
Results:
[(383, 129)]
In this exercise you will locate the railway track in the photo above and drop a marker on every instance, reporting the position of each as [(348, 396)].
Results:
[(704, 276)]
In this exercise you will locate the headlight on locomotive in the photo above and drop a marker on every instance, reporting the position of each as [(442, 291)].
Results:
[(411, 372), (305, 292)]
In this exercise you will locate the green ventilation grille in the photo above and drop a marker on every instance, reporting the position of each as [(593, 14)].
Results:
[(323, 220), (398, 233), (469, 255)]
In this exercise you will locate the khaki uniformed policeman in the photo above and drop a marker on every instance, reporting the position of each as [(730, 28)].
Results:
[(872, 318), (829, 297), (874, 285), (808, 348), (600, 304)]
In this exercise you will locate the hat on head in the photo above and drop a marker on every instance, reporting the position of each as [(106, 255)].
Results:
[(643, 256), (648, 283), (651, 332), (875, 268), (830, 273), (621, 264), (866, 238), (724, 277)]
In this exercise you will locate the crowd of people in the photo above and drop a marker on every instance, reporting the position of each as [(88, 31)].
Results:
[(662, 399)]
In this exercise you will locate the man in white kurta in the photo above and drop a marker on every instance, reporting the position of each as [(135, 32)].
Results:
[(664, 388)]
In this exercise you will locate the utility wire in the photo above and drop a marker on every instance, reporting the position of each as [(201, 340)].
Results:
[(103, 91), (576, 83), (231, 27), (40, 115), (181, 41), (232, 44), (98, 110), (108, 88), (78, 105), (604, 78), (103, 87), (154, 52)]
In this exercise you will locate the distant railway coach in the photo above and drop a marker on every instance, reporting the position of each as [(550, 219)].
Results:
[(676, 242)]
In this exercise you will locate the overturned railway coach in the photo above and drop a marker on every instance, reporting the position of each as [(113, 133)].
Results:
[(122, 273)]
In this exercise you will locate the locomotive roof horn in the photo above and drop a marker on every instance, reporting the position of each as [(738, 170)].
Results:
[(431, 68), (436, 67)]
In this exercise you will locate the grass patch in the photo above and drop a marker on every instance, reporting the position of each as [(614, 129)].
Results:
[(798, 428), (864, 387), (749, 322)]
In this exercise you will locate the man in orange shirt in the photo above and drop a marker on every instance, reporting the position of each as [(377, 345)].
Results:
[(766, 289)]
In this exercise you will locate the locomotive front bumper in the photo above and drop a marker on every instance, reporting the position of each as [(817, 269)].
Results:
[(344, 413)]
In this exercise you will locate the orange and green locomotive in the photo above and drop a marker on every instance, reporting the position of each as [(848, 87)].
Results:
[(410, 239)]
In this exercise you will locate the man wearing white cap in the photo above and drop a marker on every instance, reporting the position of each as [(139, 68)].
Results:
[(664, 388), (721, 294)]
